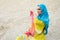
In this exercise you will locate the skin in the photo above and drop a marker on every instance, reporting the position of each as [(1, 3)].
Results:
[(38, 10)]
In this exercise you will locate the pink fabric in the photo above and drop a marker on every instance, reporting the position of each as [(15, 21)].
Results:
[(32, 16), (32, 29)]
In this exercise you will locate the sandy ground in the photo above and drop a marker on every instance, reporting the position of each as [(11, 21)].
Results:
[(14, 17)]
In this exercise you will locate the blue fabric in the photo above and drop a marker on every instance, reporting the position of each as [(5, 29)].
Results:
[(44, 16)]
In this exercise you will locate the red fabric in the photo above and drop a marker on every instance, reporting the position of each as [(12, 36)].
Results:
[(30, 31)]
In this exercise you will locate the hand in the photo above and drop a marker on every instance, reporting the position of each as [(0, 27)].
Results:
[(31, 13)]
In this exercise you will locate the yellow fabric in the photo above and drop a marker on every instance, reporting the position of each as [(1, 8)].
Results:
[(20, 38), (39, 25)]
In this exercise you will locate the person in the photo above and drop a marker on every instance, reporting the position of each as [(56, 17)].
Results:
[(41, 23)]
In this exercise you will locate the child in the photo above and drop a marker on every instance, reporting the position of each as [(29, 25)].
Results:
[(41, 23)]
